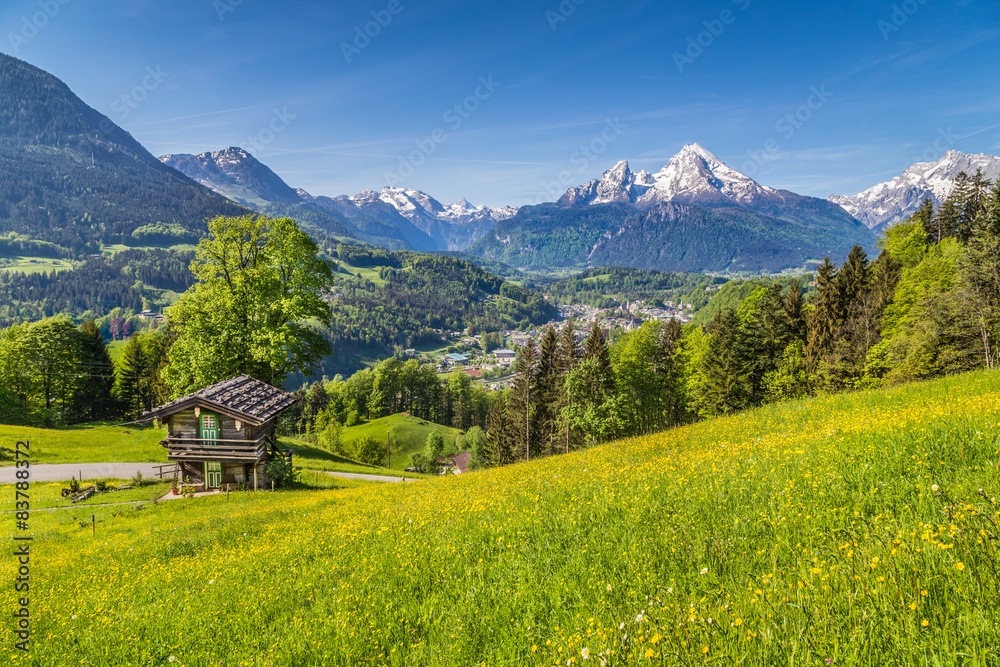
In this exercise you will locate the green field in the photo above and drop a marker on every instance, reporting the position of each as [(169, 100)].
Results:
[(49, 494), (108, 443), (854, 529), (120, 247), (87, 443), (407, 435), (309, 457), (34, 265)]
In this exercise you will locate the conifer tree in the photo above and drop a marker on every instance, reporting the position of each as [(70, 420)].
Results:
[(570, 355), (925, 216), (825, 319), (794, 307), (132, 386), (97, 373), (522, 401), (597, 351), (726, 369), (497, 450), (544, 417)]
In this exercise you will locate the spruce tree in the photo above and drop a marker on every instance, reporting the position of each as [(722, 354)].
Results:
[(97, 373), (132, 384), (544, 417), (522, 401), (925, 216), (825, 319), (794, 306), (597, 350), (726, 368), (570, 355), (497, 450)]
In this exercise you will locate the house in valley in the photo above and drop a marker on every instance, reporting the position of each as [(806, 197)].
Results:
[(224, 434)]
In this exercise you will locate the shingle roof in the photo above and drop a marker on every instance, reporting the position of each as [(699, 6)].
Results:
[(242, 397), (462, 461)]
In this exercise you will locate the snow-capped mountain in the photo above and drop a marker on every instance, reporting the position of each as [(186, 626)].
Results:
[(452, 226), (235, 174), (396, 217), (693, 176), (895, 200), (696, 176)]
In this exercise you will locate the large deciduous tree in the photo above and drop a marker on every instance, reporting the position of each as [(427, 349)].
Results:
[(257, 309)]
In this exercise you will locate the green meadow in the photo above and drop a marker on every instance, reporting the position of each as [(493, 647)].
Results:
[(856, 529)]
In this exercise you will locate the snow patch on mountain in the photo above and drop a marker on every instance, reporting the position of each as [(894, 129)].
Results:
[(453, 226), (693, 176), (889, 202)]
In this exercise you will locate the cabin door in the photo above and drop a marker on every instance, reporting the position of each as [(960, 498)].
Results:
[(213, 474), (209, 429)]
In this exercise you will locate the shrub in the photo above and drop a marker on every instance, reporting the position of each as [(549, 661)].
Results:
[(370, 450), (282, 472)]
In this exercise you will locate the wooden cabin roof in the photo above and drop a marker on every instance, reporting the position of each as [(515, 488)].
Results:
[(242, 397)]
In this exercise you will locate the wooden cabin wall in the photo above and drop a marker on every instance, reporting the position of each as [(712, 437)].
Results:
[(192, 472), (229, 431), (183, 424)]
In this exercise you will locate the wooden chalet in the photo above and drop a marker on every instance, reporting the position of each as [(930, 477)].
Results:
[(224, 434)]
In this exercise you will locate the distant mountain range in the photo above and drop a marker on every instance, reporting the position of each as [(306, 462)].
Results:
[(73, 180), (695, 214), (395, 217), (886, 203)]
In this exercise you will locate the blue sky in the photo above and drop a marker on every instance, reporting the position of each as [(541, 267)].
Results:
[(549, 94)]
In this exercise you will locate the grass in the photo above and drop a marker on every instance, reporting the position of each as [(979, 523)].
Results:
[(120, 247), (115, 348), (49, 494), (33, 265), (310, 457), (87, 443), (407, 435), (850, 530)]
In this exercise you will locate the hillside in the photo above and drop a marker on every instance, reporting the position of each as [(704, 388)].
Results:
[(75, 179), (850, 529), (400, 299), (407, 435)]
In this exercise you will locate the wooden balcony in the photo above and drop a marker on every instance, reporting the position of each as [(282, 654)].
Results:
[(199, 449)]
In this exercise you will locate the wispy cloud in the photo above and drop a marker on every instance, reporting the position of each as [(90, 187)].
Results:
[(163, 121)]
